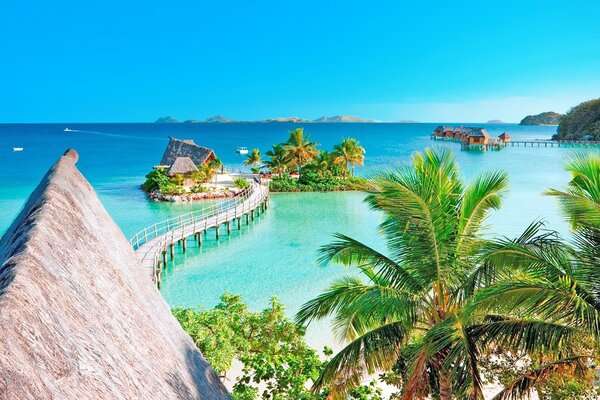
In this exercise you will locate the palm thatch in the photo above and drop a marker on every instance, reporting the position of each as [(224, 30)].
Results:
[(186, 148), (182, 165), (80, 319)]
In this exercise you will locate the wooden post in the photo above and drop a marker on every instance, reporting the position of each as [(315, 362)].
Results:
[(239, 222), (217, 232), (172, 247), (247, 219), (184, 242), (164, 257), (252, 214)]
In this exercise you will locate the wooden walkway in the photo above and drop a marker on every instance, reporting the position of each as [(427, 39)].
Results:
[(152, 243), (553, 143)]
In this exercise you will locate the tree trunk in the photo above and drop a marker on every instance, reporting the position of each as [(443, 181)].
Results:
[(445, 386)]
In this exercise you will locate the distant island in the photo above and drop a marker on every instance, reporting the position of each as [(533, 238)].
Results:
[(545, 118), (582, 122), (222, 120), (495, 121), (167, 120)]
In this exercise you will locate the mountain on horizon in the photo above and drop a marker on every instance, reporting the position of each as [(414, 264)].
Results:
[(222, 119)]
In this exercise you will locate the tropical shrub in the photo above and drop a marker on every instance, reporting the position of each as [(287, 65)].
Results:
[(155, 179), (241, 183), (199, 189), (271, 347)]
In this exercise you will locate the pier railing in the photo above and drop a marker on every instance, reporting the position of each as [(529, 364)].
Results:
[(226, 209), (151, 242)]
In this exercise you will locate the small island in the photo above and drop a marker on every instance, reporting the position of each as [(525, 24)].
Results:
[(298, 165), (582, 122), (188, 172), (545, 118)]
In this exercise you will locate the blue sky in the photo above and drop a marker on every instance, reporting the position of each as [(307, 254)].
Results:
[(134, 61)]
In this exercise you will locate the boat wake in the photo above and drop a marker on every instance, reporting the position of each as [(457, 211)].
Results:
[(117, 135)]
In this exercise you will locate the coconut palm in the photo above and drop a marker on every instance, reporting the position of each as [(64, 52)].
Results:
[(277, 162), (417, 292), (253, 159), (349, 152), (299, 148), (556, 282)]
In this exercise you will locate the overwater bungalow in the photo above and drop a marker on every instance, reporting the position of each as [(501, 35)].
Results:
[(199, 155), (476, 136), (470, 137), (504, 138)]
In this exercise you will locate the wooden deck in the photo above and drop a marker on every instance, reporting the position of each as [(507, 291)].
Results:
[(152, 243), (495, 144), (553, 143)]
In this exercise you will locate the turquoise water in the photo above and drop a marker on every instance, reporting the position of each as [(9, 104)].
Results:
[(275, 254)]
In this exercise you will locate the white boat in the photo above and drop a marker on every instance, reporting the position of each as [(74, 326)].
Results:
[(17, 149), (241, 150), (67, 130)]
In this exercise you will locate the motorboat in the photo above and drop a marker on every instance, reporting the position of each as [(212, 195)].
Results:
[(17, 149), (67, 130), (241, 150)]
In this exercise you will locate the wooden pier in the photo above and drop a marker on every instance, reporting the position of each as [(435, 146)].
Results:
[(553, 143), (495, 144), (152, 243)]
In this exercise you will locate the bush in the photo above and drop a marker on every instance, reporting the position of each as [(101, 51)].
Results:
[(311, 181), (156, 179), (284, 183), (199, 189), (284, 366), (241, 183)]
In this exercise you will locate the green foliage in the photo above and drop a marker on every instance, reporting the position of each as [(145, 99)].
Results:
[(302, 155), (412, 315), (272, 349), (155, 179), (545, 118), (241, 183), (283, 362), (312, 181), (199, 189), (253, 159), (582, 121)]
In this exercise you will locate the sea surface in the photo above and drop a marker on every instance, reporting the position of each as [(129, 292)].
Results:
[(275, 255)]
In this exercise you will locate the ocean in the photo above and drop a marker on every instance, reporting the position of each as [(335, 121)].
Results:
[(275, 255)]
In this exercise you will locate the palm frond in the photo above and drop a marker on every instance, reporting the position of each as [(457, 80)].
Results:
[(358, 308), (374, 351), (350, 252), (522, 386)]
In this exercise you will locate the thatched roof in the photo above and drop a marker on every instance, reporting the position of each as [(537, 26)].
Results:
[(182, 165), (504, 135), (478, 132), (186, 148), (79, 317)]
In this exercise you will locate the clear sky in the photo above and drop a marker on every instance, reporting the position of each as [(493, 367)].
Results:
[(134, 61)]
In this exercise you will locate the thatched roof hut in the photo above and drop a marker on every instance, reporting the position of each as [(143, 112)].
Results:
[(186, 148), (182, 165), (80, 318)]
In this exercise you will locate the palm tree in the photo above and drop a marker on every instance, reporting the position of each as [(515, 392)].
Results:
[(277, 159), (418, 293), (253, 159), (349, 152), (556, 282), (299, 148), (213, 166)]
